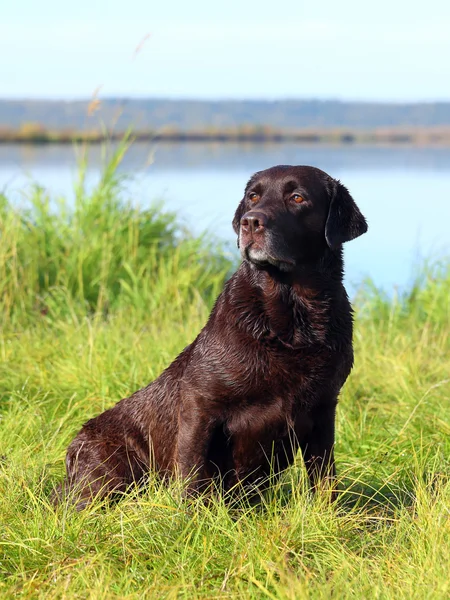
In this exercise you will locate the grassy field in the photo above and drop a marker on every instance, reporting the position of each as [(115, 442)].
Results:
[(95, 301)]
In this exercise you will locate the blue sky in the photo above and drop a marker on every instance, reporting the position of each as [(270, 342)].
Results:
[(345, 49)]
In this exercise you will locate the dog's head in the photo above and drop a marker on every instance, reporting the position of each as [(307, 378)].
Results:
[(291, 215)]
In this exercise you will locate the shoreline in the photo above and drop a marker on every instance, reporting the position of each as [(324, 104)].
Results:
[(437, 137)]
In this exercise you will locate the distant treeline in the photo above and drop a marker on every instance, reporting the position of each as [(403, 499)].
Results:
[(193, 115), (34, 133), (308, 121)]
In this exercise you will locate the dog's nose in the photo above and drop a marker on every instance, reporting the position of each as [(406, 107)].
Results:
[(253, 222)]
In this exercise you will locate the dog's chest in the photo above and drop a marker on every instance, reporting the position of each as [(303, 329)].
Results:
[(259, 371)]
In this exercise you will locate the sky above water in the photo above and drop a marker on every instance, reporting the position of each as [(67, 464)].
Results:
[(348, 49)]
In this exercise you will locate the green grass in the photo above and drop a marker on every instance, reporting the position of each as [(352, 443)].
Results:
[(96, 301)]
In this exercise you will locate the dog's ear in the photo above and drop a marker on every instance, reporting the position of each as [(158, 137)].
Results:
[(238, 216), (345, 221)]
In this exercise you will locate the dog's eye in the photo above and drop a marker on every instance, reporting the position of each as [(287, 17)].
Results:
[(254, 197), (297, 198)]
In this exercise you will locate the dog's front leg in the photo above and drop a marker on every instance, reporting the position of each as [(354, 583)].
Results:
[(318, 450), (195, 432)]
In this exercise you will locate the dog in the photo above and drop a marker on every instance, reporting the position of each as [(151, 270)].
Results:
[(261, 380)]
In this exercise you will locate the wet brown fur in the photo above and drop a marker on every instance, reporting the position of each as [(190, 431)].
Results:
[(262, 378)]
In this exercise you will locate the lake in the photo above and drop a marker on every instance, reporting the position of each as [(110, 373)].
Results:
[(403, 192)]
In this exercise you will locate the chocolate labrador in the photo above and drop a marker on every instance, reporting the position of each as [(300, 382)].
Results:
[(262, 378)]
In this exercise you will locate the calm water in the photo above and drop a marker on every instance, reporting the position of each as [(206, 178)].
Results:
[(404, 193)]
